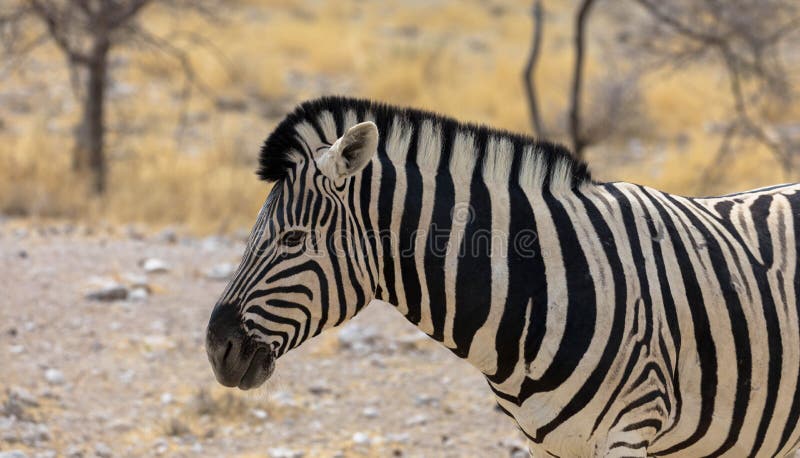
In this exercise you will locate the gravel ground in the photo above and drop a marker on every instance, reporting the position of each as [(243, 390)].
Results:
[(125, 373)]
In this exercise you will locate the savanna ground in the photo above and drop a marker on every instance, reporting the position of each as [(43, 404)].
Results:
[(129, 376)]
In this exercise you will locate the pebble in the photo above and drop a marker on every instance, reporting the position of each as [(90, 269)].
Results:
[(318, 389), (16, 349), (358, 338), (425, 400), (168, 235), (13, 454), (420, 419), (154, 266), (370, 412), (138, 294), (23, 397), (398, 438), (102, 450), (283, 452), (74, 451), (35, 433), (283, 399), (109, 291), (54, 376), (167, 398), (360, 438), (221, 272), (126, 376), (260, 414)]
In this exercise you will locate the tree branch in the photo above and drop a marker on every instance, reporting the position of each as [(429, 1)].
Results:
[(50, 15), (528, 74)]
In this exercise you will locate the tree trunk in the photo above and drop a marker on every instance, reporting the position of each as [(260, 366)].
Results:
[(530, 67), (89, 155), (578, 141)]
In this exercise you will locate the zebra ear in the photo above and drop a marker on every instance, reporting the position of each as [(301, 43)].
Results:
[(350, 153)]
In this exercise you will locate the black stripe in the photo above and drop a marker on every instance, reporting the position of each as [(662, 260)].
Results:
[(385, 208), (581, 306), (439, 234), (473, 277), (409, 231), (526, 280)]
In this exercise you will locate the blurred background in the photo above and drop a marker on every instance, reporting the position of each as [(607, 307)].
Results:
[(152, 111), (129, 133)]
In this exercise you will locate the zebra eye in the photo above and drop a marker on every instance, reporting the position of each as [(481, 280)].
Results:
[(293, 238)]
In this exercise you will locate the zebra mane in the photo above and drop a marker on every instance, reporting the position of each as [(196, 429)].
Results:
[(534, 162)]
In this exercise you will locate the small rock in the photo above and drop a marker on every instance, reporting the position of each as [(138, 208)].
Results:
[(133, 232), (358, 338), (138, 294), (283, 399), (167, 398), (102, 450), (370, 412), (417, 420), (283, 452), (13, 454), (127, 376), (360, 438), (425, 400), (23, 397), (398, 438), (35, 434), (260, 414), (16, 349), (154, 266), (318, 389), (74, 451), (54, 376), (168, 235), (109, 291), (221, 272)]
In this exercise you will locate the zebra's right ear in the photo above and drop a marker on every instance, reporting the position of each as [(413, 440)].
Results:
[(351, 153)]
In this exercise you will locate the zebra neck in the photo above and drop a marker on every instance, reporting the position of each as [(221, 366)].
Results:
[(447, 238)]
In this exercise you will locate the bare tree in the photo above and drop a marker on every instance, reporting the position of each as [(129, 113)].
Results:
[(86, 32), (577, 135), (745, 37)]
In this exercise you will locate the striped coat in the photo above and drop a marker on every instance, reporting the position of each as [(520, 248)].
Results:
[(609, 319)]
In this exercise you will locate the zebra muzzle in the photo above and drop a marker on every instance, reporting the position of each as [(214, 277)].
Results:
[(237, 360)]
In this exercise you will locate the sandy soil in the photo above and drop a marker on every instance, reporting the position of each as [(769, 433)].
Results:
[(129, 377)]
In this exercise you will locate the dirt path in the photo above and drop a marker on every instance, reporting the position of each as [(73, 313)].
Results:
[(129, 377)]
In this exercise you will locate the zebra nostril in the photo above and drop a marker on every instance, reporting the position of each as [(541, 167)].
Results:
[(227, 351), (225, 335)]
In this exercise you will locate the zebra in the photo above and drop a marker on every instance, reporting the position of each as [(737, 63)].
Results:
[(608, 318)]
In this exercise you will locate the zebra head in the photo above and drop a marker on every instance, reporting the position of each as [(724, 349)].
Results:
[(305, 268)]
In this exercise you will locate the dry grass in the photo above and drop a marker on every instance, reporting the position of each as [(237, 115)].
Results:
[(459, 58)]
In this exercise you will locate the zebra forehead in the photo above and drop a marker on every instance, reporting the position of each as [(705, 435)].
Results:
[(323, 120)]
